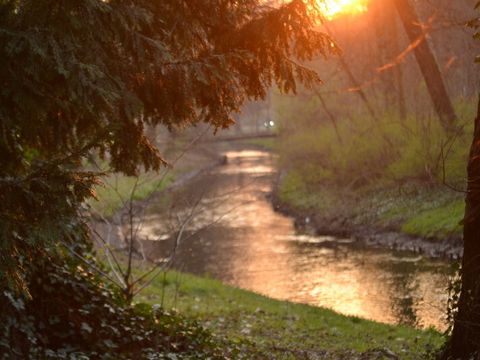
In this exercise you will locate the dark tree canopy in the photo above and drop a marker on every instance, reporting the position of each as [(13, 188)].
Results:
[(82, 75)]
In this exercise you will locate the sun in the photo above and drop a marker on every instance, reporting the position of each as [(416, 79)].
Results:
[(334, 8)]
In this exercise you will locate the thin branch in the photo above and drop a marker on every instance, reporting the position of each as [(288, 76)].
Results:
[(110, 255), (91, 265), (329, 114), (131, 239)]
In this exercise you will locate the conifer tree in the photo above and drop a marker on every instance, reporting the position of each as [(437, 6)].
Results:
[(90, 75)]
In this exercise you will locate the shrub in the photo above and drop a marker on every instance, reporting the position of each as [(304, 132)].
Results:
[(71, 314), (389, 151)]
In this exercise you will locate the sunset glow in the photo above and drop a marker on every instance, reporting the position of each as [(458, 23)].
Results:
[(334, 8)]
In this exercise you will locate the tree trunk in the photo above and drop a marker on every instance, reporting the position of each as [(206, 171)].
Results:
[(427, 63), (386, 32), (398, 70), (354, 82), (465, 340)]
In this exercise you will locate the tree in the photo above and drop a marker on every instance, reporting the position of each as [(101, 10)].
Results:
[(465, 340), (427, 63), (91, 75), (386, 32)]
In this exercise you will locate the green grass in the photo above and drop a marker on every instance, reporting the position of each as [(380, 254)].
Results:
[(418, 210), (428, 212), (281, 328), (117, 189), (438, 222)]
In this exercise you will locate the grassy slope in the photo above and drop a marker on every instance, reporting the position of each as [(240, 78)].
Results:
[(427, 212), (283, 329), (439, 222), (116, 190), (364, 178)]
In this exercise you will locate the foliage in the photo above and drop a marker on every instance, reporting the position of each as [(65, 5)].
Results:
[(454, 288), (91, 75), (73, 315), (391, 173), (391, 151), (88, 76), (37, 208), (96, 83)]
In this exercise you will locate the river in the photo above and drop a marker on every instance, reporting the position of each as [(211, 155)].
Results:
[(231, 233)]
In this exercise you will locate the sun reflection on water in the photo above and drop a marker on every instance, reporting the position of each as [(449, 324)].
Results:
[(256, 248)]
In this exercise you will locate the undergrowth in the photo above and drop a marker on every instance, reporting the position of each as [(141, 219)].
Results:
[(365, 166), (71, 314)]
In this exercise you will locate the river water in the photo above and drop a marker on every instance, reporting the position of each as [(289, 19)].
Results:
[(231, 232)]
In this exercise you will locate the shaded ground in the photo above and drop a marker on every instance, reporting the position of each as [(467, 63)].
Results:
[(422, 220)]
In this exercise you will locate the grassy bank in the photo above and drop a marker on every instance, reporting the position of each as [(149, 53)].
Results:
[(117, 189), (284, 330), (431, 212), (392, 173), (184, 158)]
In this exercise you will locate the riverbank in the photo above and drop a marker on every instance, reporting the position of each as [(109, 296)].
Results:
[(284, 330), (109, 211), (266, 328), (115, 190), (410, 217), (414, 217), (399, 182)]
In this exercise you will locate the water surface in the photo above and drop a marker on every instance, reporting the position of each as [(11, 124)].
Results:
[(231, 232)]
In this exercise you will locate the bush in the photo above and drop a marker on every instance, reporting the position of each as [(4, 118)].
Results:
[(390, 151), (71, 314)]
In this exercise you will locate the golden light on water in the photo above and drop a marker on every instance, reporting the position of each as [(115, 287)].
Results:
[(334, 8)]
